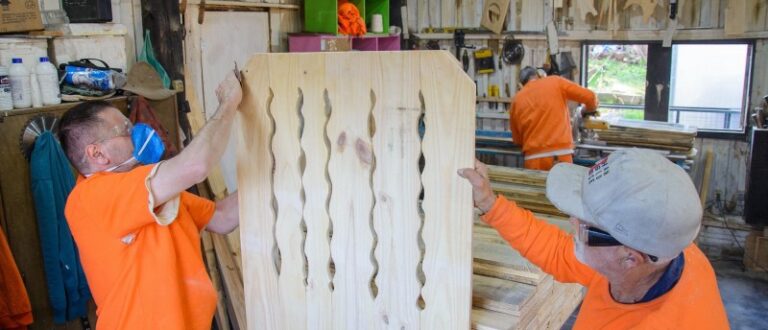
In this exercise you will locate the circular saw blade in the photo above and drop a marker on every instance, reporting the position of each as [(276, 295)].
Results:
[(34, 128)]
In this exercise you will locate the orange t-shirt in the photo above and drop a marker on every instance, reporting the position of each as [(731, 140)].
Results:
[(539, 116), (143, 263), (693, 303)]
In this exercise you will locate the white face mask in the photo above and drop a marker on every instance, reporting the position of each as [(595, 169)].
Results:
[(130, 161)]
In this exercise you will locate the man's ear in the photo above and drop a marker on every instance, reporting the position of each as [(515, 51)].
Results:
[(94, 154), (631, 258)]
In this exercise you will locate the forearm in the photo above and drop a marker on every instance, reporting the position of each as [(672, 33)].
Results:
[(208, 146), (543, 244), (227, 216), (192, 165), (580, 94)]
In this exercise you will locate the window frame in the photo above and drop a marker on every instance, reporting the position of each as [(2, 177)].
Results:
[(659, 70)]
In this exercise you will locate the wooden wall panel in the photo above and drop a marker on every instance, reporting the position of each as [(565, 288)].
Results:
[(371, 190)]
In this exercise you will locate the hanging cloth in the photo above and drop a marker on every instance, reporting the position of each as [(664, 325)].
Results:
[(52, 181), (142, 112), (350, 21), (148, 55), (15, 309)]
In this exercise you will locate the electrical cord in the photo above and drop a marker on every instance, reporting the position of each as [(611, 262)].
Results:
[(718, 204)]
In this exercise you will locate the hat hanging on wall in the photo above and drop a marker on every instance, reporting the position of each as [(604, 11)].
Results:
[(144, 80)]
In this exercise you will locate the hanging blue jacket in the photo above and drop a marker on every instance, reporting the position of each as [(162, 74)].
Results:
[(52, 180)]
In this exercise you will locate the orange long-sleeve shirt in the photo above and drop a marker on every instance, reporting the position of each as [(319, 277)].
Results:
[(539, 118), (693, 303)]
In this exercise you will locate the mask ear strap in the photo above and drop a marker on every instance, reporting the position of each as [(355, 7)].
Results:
[(146, 142)]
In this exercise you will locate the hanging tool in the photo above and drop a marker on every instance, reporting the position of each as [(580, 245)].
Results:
[(513, 51), (484, 61), (493, 91), (552, 49), (672, 9), (458, 43), (465, 60)]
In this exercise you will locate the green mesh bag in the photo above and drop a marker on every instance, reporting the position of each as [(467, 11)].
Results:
[(148, 55)]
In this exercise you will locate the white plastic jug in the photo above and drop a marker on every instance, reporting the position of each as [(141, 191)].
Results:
[(21, 87), (48, 78)]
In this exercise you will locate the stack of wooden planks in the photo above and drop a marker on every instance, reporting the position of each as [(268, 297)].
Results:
[(526, 187), (649, 134), (511, 293)]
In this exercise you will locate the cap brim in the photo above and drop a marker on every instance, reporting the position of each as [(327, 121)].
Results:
[(564, 189), (152, 94)]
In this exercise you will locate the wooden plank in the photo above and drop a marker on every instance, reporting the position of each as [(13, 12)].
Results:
[(736, 17), (447, 13), (285, 110), (423, 14), (532, 15), (225, 30), (349, 168), (500, 295), (447, 229), (483, 319), (209, 254), (316, 187), (233, 284), (506, 273), (255, 167), (395, 216), (756, 14)]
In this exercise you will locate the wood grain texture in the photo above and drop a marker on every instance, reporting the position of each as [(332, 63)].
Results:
[(447, 226), (532, 15), (316, 187), (257, 215), (289, 200), (351, 203), (396, 219), (339, 156)]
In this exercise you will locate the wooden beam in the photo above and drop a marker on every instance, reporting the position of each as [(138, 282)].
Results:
[(163, 21), (233, 282)]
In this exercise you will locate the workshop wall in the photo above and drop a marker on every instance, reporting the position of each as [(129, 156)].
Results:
[(577, 22)]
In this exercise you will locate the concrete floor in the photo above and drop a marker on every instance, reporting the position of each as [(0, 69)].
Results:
[(745, 296)]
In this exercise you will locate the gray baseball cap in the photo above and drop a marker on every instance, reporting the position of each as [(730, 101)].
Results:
[(639, 197)]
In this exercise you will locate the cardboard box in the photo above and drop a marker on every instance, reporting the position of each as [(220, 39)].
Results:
[(20, 15), (28, 49)]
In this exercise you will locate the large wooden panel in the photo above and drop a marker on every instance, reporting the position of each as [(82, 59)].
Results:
[(330, 144)]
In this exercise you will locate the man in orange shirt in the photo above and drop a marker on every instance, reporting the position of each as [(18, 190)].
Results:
[(636, 215), (540, 120), (136, 228)]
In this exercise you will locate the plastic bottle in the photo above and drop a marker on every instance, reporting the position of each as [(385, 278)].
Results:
[(48, 78), (37, 97), (21, 89), (6, 99)]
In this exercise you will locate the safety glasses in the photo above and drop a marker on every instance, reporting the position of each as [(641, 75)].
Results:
[(120, 130), (596, 237)]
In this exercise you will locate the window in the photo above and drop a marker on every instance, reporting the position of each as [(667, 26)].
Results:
[(616, 73), (708, 85), (708, 82)]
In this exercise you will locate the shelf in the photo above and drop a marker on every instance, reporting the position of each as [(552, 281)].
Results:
[(493, 115), (495, 99), (234, 5)]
